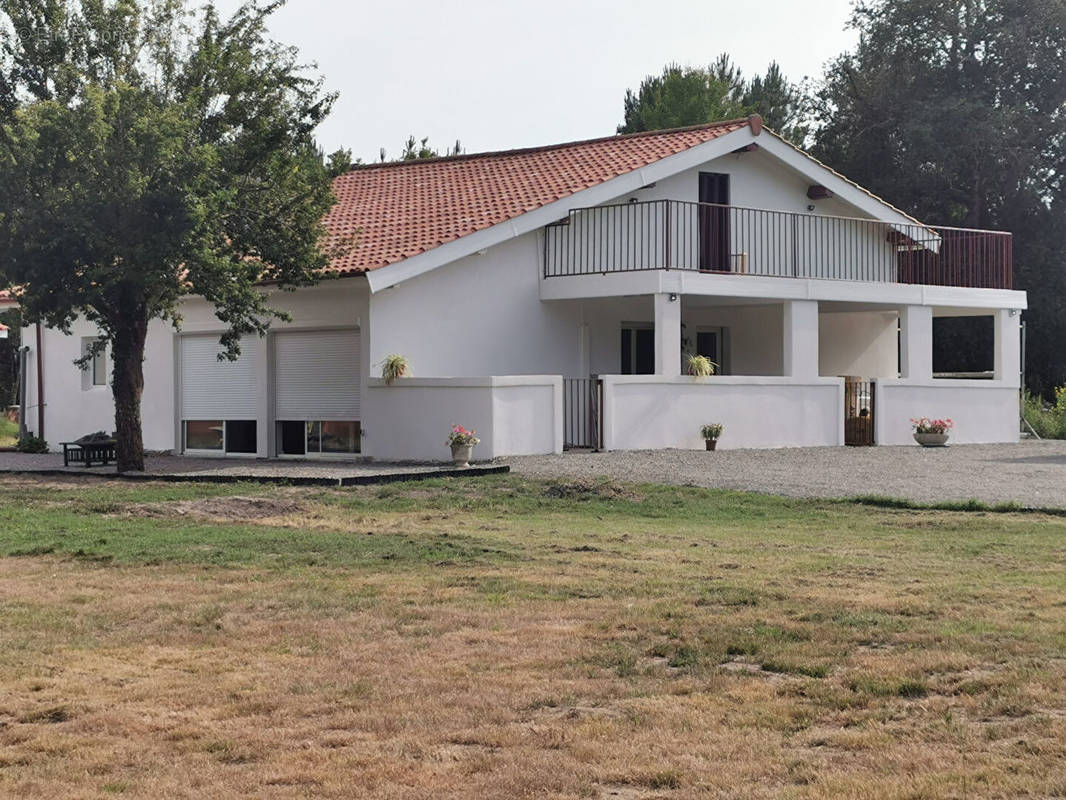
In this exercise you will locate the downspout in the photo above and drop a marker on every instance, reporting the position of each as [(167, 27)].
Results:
[(23, 354), (40, 386)]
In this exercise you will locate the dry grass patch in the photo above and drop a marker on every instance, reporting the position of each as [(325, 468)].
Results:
[(495, 639)]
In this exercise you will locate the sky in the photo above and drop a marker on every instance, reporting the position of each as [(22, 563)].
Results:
[(498, 74)]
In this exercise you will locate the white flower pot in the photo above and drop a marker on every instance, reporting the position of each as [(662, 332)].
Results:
[(461, 454), (931, 439)]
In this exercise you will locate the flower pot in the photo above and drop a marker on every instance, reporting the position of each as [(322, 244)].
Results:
[(711, 443), (931, 439), (461, 454)]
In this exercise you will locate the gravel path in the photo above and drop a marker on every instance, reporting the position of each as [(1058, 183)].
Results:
[(1031, 473)]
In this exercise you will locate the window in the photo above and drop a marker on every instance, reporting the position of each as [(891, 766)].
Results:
[(710, 342), (230, 436), (204, 434), (318, 437), (638, 349), (96, 369)]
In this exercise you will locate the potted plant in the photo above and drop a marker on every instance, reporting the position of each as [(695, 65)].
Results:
[(931, 432), (393, 367), (701, 366), (710, 434), (462, 442)]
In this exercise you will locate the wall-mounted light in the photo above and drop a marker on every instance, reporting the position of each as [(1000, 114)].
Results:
[(673, 297), (810, 206), (1013, 312)]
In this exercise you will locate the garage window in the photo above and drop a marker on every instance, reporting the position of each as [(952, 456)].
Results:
[(229, 436), (318, 437)]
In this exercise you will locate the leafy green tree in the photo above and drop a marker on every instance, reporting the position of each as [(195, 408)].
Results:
[(954, 111), (150, 152)]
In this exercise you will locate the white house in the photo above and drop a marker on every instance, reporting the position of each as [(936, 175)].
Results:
[(510, 279)]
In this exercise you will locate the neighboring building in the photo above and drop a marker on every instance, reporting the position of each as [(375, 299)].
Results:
[(508, 279)]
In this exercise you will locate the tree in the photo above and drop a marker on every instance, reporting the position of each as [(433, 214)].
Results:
[(417, 149), (149, 152), (953, 110), (683, 96), (782, 104)]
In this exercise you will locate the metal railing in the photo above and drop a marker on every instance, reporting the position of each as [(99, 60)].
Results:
[(674, 234), (582, 413)]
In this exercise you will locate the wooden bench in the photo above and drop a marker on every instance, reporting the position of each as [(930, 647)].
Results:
[(88, 453)]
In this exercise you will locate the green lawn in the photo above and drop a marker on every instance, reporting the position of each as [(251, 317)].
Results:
[(500, 637), (9, 432)]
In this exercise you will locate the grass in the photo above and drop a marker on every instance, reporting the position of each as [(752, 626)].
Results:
[(9, 432), (498, 637)]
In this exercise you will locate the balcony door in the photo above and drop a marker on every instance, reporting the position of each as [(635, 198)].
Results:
[(714, 222)]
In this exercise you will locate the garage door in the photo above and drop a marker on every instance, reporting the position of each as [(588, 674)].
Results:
[(213, 389), (316, 375)]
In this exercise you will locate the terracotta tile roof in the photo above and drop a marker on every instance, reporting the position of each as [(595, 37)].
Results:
[(406, 208)]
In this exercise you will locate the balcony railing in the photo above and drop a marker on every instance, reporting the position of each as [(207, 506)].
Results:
[(704, 237)]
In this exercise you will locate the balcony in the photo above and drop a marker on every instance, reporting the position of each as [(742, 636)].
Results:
[(708, 238)]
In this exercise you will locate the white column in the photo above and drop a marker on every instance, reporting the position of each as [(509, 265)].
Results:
[(800, 339), (916, 343), (667, 334), (1008, 359), (264, 440)]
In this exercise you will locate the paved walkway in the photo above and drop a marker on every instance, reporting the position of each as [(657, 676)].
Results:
[(1032, 473), (168, 467)]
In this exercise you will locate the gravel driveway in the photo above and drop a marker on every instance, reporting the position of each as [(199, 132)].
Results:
[(1032, 473)]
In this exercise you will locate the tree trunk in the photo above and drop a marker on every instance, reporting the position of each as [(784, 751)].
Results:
[(127, 385)]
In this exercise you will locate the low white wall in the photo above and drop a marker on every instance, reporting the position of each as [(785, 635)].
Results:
[(648, 411), (512, 415), (983, 411)]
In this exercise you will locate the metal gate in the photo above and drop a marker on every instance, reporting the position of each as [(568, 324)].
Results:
[(859, 412), (582, 413)]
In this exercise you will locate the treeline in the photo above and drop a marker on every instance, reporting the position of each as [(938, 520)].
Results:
[(953, 110)]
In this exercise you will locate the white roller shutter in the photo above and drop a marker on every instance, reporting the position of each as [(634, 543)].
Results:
[(316, 375), (213, 389)]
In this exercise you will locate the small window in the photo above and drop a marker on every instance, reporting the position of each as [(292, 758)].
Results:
[(240, 436), (231, 435), (204, 434), (96, 369), (317, 437)]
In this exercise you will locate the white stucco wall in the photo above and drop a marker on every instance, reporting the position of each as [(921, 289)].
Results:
[(648, 411), (481, 315), (512, 415), (73, 407), (983, 411), (860, 343)]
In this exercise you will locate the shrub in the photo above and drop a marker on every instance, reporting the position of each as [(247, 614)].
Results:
[(1049, 422), (32, 444)]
